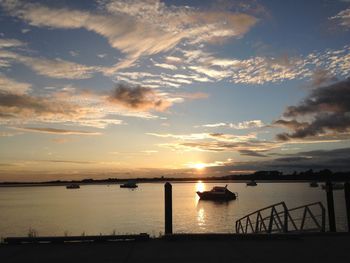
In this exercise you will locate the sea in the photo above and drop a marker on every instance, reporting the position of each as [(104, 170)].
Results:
[(108, 209)]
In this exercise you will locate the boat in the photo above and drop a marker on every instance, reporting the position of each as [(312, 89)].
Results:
[(73, 186), (313, 184), (129, 184), (252, 183), (218, 193), (336, 186)]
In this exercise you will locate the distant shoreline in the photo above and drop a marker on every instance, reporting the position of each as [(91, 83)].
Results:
[(259, 176), (21, 184), (45, 184)]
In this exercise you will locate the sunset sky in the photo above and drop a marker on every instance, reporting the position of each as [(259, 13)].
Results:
[(98, 89)]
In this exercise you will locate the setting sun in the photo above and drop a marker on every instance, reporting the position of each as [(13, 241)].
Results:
[(199, 166)]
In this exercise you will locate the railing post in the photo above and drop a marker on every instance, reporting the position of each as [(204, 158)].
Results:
[(270, 222), (330, 206), (285, 227), (168, 208), (347, 201)]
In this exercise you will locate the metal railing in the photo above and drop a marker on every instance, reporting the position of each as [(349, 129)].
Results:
[(278, 218)]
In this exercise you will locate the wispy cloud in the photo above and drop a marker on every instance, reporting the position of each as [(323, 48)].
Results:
[(201, 66), (13, 86), (56, 131), (219, 142), (9, 43), (202, 136), (152, 26), (343, 18), (62, 107), (166, 66), (256, 146), (70, 105), (237, 126), (67, 161), (54, 68)]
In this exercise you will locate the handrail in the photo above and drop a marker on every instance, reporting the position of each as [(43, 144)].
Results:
[(275, 223), (267, 207)]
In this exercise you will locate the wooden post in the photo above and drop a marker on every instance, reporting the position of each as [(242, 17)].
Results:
[(347, 201), (168, 208), (330, 206)]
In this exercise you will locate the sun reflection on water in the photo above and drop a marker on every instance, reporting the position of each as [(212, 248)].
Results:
[(200, 186), (201, 218)]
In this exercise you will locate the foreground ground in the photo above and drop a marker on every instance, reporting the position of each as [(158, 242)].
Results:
[(296, 249)]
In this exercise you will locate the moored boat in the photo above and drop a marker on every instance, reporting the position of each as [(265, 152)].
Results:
[(129, 184), (73, 186), (218, 193), (313, 184), (252, 183)]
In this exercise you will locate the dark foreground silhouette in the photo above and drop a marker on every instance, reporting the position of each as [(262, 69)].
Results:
[(318, 248)]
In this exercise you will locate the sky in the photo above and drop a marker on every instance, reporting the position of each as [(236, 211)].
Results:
[(107, 88)]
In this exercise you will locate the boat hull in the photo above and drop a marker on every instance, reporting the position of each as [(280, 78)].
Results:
[(228, 196), (252, 184), (72, 186), (128, 186)]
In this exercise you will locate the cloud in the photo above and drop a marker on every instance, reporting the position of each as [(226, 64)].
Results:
[(343, 18), (215, 125), (319, 159), (192, 96), (247, 124), (203, 136), (138, 98), (237, 126), (54, 68), (67, 161), (222, 146), (13, 86), (320, 68), (328, 111), (9, 43), (252, 153), (336, 160), (27, 105), (56, 131), (56, 107), (321, 76), (166, 66), (139, 28), (218, 142)]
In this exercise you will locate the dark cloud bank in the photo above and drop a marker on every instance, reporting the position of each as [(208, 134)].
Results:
[(335, 160), (328, 107)]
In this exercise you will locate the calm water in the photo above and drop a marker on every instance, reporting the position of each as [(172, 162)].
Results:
[(95, 209)]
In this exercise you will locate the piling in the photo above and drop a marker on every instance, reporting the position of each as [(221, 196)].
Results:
[(168, 208), (347, 201), (330, 206)]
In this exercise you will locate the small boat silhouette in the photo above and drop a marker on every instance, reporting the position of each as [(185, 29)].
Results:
[(314, 184), (252, 183), (129, 184), (218, 193), (73, 186)]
